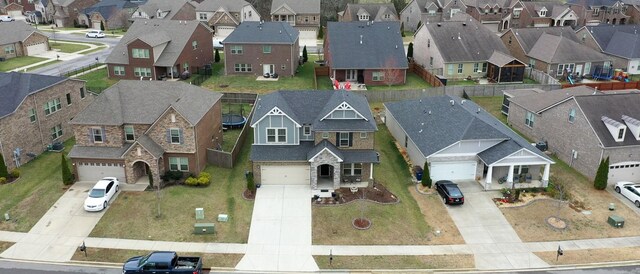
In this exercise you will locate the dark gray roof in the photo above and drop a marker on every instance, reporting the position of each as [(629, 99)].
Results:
[(360, 156), (612, 106), (433, 124), (501, 59), (298, 6), (142, 102), (321, 146), (381, 45), (150, 145), (593, 3), (539, 101), (528, 37), (619, 40), (250, 32), (558, 49), (177, 31), (16, 31), (107, 8), (15, 87), (281, 153), (466, 41), (227, 5), (173, 6), (375, 11), (308, 107), (499, 151), (554, 9), (93, 152)]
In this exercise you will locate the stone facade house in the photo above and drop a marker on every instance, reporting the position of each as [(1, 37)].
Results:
[(259, 48), (137, 127), (223, 16), (63, 12), (418, 12), (462, 142), (166, 9), (304, 15), (324, 139), (594, 12), (113, 14), (615, 41), (607, 126), (34, 113), (368, 12), (365, 53), (157, 49), (20, 39)]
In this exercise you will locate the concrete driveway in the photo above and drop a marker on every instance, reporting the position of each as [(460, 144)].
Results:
[(60, 231), (623, 200), (280, 234), (492, 240)]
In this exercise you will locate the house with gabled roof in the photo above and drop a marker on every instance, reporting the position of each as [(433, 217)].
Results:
[(304, 15), (223, 16), (112, 14), (324, 139), (368, 12), (20, 39), (62, 13), (489, 12), (418, 12), (538, 14), (166, 9), (620, 42), (139, 127), (594, 12)]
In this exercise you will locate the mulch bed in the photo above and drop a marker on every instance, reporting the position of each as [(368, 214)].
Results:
[(378, 194), (361, 223), (249, 195)]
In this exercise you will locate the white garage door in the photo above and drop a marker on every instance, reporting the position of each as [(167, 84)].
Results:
[(285, 175), (624, 171), (96, 25), (308, 35), (36, 49), (97, 171), (453, 170), (223, 32), (14, 13)]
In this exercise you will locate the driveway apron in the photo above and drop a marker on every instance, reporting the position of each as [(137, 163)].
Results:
[(487, 232), (280, 234)]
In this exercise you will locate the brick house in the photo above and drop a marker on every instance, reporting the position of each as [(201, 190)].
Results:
[(366, 53), (137, 127), (524, 14), (368, 12), (113, 14), (594, 12), (223, 16), (304, 15), (418, 12), (262, 47), (166, 9), (157, 49), (489, 12), (63, 12), (34, 113), (16, 8), (20, 39), (607, 126), (324, 139), (614, 41)]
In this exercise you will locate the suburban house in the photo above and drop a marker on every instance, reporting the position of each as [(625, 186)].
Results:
[(259, 48), (324, 139), (223, 16), (538, 14), (112, 14), (462, 142), (368, 12), (556, 51), (137, 127), (304, 15), (20, 39), (34, 113), (489, 12), (365, 53), (418, 12), (594, 12), (64, 12), (465, 50), (615, 41), (608, 126), (39, 14), (158, 49), (166, 9), (16, 8)]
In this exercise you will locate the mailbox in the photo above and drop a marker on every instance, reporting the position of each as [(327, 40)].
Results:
[(204, 228)]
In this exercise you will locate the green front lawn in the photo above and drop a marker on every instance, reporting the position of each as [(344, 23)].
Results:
[(66, 47), (492, 104), (19, 62), (414, 82), (38, 188), (397, 262), (97, 80)]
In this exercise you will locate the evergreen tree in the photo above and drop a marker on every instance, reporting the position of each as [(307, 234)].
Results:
[(150, 179), (426, 177), (217, 56), (465, 95), (602, 175), (101, 26), (402, 29), (304, 54), (410, 50), (67, 179), (321, 32), (4, 172)]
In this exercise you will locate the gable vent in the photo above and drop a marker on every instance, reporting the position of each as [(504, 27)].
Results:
[(634, 126), (616, 129)]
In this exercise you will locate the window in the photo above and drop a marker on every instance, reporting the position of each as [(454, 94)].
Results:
[(450, 69), (532, 62), (478, 67), (203, 16), (178, 164), (378, 76), (306, 19), (387, 16), (236, 49), (266, 49), (530, 118), (118, 70), (249, 13), (242, 67), (431, 12), (185, 66), (486, 10), (352, 169), (516, 13), (306, 130), (56, 132), (344, 139), (572, 115), (276, 135), (9, 49), (621, 133), (142, 72), (543, 13), (562, 68), (325, 135), (140, 53), (363, 135), (32, 115), (175, 135), (596, 11), (82, 93), (484, 67), (431, 61), (363, 17), (68, 99), (96, 135), (128, 133), (194, 44), (459, 68), (428, 43), (52, 106)]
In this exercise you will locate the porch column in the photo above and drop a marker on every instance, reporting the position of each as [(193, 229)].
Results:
[(371, 172), (510, 176), (545, 175), (487, 184)]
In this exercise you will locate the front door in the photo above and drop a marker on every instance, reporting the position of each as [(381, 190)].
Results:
[(267, 68), (325, 170), (351, 75)]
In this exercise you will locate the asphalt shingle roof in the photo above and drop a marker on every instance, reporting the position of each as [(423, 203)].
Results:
[(619, 40), (528, 37), (150, 145), (281, 153), (375, 11), (559, 49), (227, 5), (360, 156), (612, 106), (106, 8), (15, 31), (298, 6), (15, 87), (250, 32), (501, 59), (321, 146), (142, 102), (94, 152), (152, 6), (381, 45), (540, 100)]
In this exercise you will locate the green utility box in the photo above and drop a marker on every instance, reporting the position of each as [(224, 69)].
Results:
[(616, 221), (204, 228)]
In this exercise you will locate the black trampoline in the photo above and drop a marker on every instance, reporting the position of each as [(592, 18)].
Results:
[(231, 120)]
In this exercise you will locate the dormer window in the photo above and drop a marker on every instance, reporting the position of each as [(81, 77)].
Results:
[(543, 12), (621, 133), (633, 125), (363, 17), (516, 13), (387, 16), (616, 129)]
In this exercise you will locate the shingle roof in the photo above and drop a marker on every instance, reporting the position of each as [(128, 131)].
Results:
[(558, 49), (178, 32), (593, 3), (15, 31), (106, 8), (94, 152), (263, 32), (227, 5), (539, 101), (152, 6), (375, 11), (15, 87), (298, 6), (381, 45), (142, 102), (619, 40), (527, 37), (281, 153), (612, 106), (466, 41), (151, 146), (554, 9), (501, 59), (321, 146), (433, 124), (360, 156)]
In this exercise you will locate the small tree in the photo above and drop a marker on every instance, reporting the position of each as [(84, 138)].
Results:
[(101, 25), (216, 58), (402, 29), (304, 54), (67, 178), (410, 51), (321, 33), (600, 182), (4, 172), (251, 185), (426, 177)]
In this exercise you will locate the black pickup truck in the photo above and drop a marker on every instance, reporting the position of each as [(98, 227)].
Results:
[(161, 262)]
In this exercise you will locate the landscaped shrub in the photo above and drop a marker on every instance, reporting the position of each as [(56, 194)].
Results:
[(14, 173), (3, 168), (251, 185), (410, 51), (3, 180), (426, 177), (305, 57), (203, 180), (216, 57), (602, 175), (172, 175), (321, 32), (191, 181), (67, 178), (402, 29)]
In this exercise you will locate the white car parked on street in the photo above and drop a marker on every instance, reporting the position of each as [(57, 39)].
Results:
[(629, 190), (6, 18), (95, 34), (101, 194)]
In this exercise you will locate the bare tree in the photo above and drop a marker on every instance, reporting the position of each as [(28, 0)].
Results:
[(392, 74)]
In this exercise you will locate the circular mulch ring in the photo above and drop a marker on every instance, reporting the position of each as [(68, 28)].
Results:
[(361, 223), (249, 195), (557, 223)]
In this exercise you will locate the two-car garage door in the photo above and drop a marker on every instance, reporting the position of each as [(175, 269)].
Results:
[(453, 170), (37, 48), (97, 171), (285, 175), (625, 171)]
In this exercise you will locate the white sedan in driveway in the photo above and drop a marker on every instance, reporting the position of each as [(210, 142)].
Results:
[(101, 194), (629, 190)]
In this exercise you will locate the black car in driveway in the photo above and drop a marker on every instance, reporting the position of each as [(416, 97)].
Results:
[(450, 192)]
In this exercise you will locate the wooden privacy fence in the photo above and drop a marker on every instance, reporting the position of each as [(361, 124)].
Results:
[(319, 71), (607, 85), (477, 90), (424, 74)]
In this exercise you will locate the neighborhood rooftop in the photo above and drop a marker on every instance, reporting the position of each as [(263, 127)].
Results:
[(226, 5), (559, 49), (298, 6), (16, 31), (250, 32), (528, 37), (618, 40), (613, 106), (375, 11), (15, 87), (535, 103)]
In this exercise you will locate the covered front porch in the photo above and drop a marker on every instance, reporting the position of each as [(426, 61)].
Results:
[(516, 175)]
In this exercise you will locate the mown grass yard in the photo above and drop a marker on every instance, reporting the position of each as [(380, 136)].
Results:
[(4, 246), (67, 47), (97, 80), (18, 62), (397, 262), (590, 256), (209, 260), (133, 214), (38, 188)]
